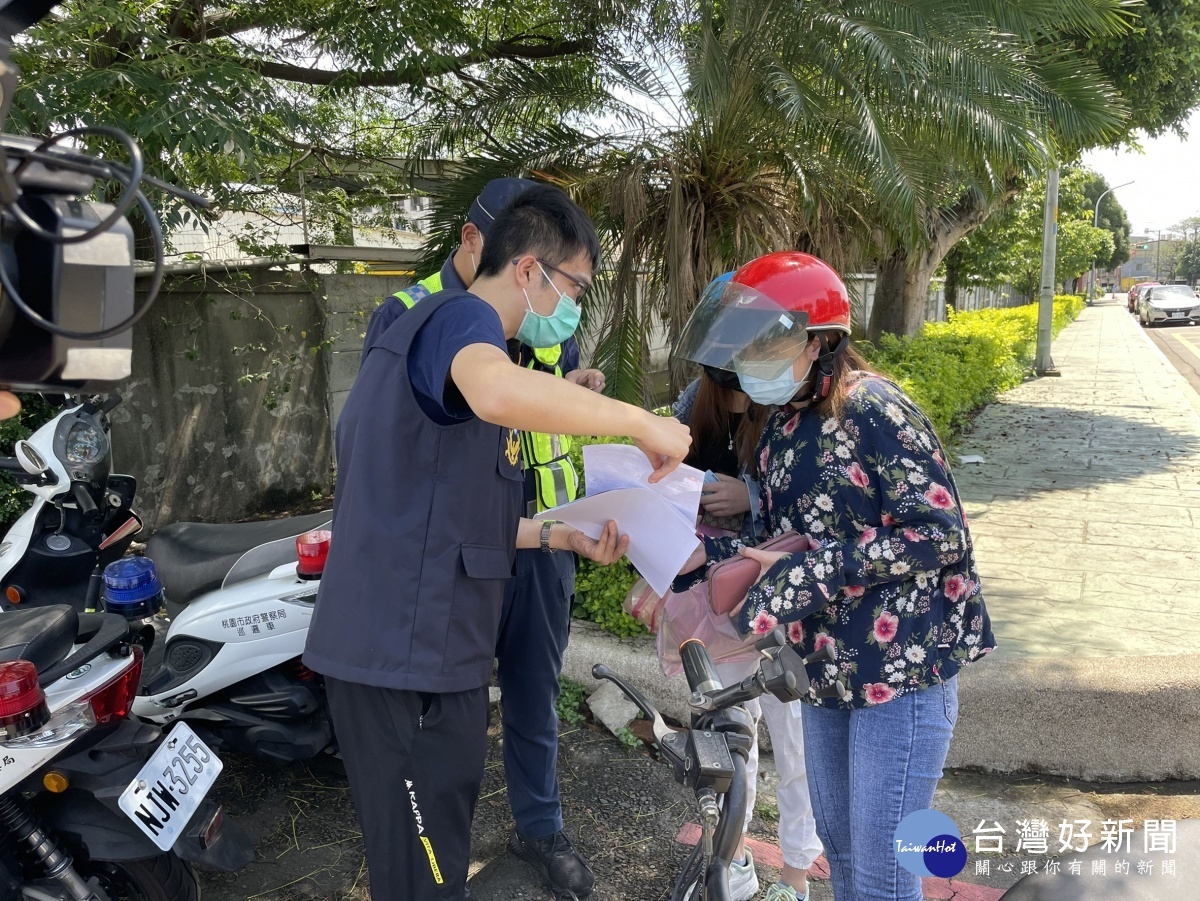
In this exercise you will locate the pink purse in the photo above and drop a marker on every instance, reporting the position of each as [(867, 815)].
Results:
[(729, 580)]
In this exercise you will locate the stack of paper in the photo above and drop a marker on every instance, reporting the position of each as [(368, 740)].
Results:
[(659, 519)]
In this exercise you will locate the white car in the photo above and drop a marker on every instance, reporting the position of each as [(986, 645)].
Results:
[(1168, 303)]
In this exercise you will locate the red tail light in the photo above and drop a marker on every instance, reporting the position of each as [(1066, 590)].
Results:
[(113, 700), (22, 702), (302, 672), (312, 549)]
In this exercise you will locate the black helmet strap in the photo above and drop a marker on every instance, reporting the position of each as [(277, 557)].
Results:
[(822, 380)]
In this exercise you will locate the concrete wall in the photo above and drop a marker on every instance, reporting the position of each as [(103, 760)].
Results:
[(349, 301), (228, 407)]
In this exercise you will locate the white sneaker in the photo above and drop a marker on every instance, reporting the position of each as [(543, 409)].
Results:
[(782, 892), (743, 881)]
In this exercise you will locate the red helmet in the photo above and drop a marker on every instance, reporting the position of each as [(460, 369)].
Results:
[(800, 283), (760, 320)]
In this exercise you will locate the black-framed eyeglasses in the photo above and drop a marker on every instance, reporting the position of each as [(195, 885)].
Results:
[(577, 282)]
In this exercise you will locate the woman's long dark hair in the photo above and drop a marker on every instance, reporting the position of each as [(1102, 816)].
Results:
[(710, 423), (848, 361)]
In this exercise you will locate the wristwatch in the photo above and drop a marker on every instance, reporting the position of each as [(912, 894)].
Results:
[(547, 525)]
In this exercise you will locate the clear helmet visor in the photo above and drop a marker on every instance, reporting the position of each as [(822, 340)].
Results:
[(741, 330)]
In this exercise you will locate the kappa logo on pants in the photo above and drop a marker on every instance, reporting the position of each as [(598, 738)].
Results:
[(420, 821)]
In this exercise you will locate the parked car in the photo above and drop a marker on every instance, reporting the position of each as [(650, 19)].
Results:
[(1168, 303), (1135, 293)]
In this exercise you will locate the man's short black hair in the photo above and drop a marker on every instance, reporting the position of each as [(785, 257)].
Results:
[(542, 221)]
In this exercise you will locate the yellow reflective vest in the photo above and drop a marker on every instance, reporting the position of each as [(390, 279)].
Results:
[(548, 457)]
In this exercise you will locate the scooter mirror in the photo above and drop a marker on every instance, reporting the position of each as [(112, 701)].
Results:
[(31, 461)]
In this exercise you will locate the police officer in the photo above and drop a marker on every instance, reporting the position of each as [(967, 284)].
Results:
[(427, 517), (536, 618)]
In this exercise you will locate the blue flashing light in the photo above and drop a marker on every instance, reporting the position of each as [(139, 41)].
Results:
[(131, 588)]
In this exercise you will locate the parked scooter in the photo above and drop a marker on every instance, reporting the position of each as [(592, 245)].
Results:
[(229, 662), (81, 517), (84, 816), (241, 598)]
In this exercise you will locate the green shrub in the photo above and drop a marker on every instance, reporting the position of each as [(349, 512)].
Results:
[(600, 590)]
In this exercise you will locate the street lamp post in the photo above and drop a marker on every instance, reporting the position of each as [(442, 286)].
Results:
[(1096, 224), (1042, 362)]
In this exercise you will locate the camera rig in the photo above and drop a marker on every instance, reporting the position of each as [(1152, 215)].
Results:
[(67, 302)]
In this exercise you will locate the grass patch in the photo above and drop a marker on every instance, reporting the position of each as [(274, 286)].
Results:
[(767, 812), (569, 706)]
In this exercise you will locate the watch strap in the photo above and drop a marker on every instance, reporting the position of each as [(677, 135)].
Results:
[(547, 526)]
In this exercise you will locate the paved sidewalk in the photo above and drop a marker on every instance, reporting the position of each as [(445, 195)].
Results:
[(1084, 517), (1085, 513)]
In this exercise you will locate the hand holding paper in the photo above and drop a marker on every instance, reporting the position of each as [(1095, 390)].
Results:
[(608, 549), (658, 518)]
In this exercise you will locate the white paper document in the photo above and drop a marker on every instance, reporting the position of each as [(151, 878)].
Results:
[(659, 519)]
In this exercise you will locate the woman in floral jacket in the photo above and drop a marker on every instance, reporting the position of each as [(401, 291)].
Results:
[(892, 589)]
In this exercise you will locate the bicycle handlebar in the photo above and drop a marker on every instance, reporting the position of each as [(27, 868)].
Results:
[(698, 667), (711, 757)]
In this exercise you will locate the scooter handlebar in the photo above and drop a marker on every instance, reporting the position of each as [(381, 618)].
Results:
[(83, 498)]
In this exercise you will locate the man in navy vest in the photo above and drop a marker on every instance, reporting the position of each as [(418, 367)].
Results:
[(535, 622), (427, 518)]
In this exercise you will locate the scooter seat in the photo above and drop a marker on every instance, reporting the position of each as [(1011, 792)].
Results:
[(194, 557), (42, 635)]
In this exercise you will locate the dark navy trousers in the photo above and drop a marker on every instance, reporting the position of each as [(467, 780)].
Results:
[(534, 624)]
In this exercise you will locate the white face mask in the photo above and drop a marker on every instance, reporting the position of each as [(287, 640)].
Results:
[(773, 392)]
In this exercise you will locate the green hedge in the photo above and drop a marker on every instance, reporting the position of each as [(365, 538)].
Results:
[(950, 369)]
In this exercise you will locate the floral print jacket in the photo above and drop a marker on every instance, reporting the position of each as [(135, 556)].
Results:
[(893, 586)]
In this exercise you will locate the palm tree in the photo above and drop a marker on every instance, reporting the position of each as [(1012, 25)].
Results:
[(842, 128)]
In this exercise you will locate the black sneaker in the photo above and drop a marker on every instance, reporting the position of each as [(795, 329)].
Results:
[(553, 856)]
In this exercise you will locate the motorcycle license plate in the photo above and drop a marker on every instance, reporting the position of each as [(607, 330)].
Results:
[(168, 791)]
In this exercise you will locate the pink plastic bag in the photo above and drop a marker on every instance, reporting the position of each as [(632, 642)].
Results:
[(687, 615), (643, 605)]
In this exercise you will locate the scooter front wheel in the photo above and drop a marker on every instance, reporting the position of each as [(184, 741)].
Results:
[(162, 878)]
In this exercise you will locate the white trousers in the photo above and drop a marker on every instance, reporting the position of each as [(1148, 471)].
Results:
[(797, 828)]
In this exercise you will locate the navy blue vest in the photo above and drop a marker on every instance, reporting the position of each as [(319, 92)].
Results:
[(424, 532)]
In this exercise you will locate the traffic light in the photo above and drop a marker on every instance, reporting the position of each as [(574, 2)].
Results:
[(1144, 246)]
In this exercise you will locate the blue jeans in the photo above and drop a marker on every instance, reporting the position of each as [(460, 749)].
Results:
[(868, 769)]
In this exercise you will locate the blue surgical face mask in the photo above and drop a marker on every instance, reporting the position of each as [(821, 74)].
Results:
[(537, 330), (773, 392)]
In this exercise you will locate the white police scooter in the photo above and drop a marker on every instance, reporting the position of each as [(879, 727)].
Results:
[(230, 660), (241, 598), (81, 518), (84, 815)]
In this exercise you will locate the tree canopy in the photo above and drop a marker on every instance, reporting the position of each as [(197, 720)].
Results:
[(1007, 249), (1155, 67), (1112, 217), (221, 95)]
